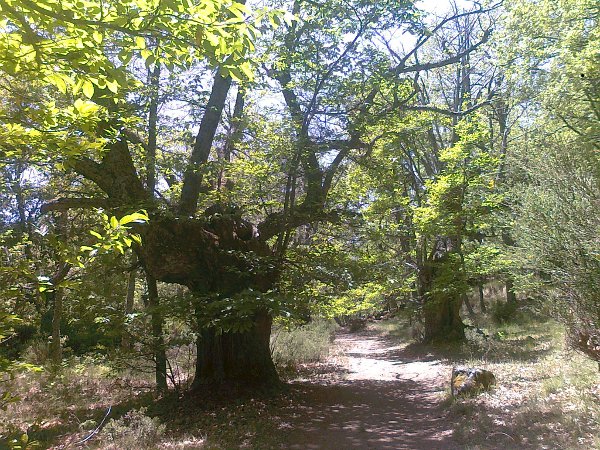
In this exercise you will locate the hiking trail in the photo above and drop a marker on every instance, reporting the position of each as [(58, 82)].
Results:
[(374, 394)]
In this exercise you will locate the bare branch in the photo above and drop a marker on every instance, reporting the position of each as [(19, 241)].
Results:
[(444, 62), (423, 39), (446, 112), (64, 204)]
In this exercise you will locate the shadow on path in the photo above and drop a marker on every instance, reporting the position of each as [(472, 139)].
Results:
[(382, 402)]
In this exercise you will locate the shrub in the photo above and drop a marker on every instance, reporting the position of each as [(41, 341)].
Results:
[(503, 312), (308, 343), (38, 352), (134, 430)]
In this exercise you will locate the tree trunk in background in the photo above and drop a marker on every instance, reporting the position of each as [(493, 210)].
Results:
[(511, 297), (502, 111), (125, 339), (154, 78), (442, 319), (234, 135), (156, 316), (237, 359), (481, 297), (55, 345), (158, 341), (441, 306), (24, 226), (468, 305)]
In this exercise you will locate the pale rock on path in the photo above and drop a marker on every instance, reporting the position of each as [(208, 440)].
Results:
[(380, 397)]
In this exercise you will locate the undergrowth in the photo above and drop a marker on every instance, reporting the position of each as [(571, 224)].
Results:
[(547, 396), (305, 344)]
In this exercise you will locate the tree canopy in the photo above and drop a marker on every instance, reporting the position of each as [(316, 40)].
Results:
[(213, 165)]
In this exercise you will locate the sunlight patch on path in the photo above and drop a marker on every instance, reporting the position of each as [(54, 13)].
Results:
[(369, 358)]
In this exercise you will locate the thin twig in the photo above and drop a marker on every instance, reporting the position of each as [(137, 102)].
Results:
[(93, 433)]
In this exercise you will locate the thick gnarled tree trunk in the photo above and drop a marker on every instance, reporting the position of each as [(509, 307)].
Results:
[(242, 358), (218, 256)]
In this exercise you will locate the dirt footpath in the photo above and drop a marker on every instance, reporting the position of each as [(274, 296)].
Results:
[(377, 396)]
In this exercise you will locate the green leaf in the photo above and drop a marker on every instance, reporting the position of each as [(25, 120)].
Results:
[(85, 108), (77, 87), (88, 88), (139, 217), (58, 81), (151, 59), (146, 53), (97, 36), (140, 42), (112, 86)]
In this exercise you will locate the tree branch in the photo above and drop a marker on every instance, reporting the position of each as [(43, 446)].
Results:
[(64, 204), (115, 175), (423, 39), (192, 179), (446, 112), (400, 69)]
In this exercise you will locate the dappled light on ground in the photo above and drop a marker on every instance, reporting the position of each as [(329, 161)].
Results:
[(374, 391), (382, 401)]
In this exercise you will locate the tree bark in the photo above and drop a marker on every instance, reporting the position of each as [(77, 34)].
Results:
[(192, 180), (481, 297), (233, 137), (442, 319), (511, 297), (468, 305), (241, 359), (158, 341), (55, 345), (125, 339), (154, 79), (441, 307), (219, 257)]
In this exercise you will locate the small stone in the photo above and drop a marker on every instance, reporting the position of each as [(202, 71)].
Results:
[(469, 380), (88, 425)]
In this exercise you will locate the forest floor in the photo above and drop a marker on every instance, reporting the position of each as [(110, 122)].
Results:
[(375, 390)]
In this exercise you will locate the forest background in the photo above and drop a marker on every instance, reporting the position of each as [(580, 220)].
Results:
[(190, 174)]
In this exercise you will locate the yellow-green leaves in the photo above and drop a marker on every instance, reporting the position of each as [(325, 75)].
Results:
[(140, 42), (88, 89), (71, 45), (61, 81), (85, 108), (137, 217), (116, 236), (97, 37)]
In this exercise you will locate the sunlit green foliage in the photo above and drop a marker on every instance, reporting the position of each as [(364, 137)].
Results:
[(557, 159), (403, 173)]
